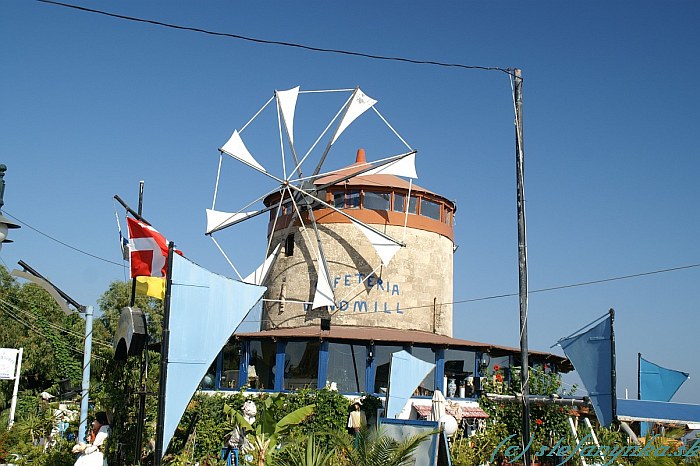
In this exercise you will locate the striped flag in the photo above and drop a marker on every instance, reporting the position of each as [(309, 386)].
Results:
[(148, 254)]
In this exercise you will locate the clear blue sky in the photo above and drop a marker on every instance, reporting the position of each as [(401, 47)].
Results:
[(90, 105)]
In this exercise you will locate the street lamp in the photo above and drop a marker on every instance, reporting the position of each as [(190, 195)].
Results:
[(5, 223)]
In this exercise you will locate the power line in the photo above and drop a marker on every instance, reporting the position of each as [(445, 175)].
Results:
[(281, 43), (511, 295), (61, 242), (574, 285), (462, 301), (40, 332), (50, 324)]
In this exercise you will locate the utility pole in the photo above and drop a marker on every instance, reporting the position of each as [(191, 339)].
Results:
[(63, 299), (522, 258)]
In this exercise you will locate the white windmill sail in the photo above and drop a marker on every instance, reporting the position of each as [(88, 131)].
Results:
[(260, 274), (237, 149), (359, 105), (324, 292), (217, 219), (385, 247), (288, 102), (405, 166)]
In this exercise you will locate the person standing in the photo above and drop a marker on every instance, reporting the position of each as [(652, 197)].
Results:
[(356, 419), (92, 453)]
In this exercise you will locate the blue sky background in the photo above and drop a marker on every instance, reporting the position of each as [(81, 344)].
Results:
[(90, 105)]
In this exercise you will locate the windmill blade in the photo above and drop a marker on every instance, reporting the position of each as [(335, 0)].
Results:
[(236, 148), (287, 101), (386, 248), (323, 285), (405, 167), (260, 274), (359, 104), (218, 220), (286, 106), (368, 167), (323, 296)]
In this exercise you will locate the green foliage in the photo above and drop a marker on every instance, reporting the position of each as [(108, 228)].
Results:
[(370, 405), (52, 341), (204, 425), (59, 455), (549, 422), (116, 383), (374, 448), (476, 450), (268, 429), (331, 411), (316, 452)]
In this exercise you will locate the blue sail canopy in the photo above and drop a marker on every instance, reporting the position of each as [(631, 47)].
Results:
[(407, 372), (591, 354), (205, 309), (658, 383)]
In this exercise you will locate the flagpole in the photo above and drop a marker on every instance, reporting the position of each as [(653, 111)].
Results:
[(143, 361), (613, 372), (164, 347), (133, 280), (522, 258), (639, 376)]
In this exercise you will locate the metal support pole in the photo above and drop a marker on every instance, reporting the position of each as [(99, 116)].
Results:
[(639, 376), (82, 429), (143, 363), (613, 371), (164, 348), (522, 258)]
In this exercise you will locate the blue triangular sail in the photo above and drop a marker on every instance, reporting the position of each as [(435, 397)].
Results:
[(591, 354), (205, 309), (407, 372), (658, 383)]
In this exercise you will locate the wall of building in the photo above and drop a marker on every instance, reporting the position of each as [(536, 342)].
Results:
[(408, 294)]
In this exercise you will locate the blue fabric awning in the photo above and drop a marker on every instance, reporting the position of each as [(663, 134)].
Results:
[(657, 411)]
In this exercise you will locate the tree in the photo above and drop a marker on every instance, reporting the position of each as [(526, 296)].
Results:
[(118, 381)]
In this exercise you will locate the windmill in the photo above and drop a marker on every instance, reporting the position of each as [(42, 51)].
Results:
[(305, 198)]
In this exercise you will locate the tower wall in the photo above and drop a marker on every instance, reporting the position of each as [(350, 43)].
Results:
[(408, 294)]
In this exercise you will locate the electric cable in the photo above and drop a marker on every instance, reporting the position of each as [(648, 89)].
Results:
[(280, 43), (40, 332), (30, 315), (61, 242)]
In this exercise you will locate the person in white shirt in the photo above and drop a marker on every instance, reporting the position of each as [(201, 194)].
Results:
[(356, 419), (92, 453)]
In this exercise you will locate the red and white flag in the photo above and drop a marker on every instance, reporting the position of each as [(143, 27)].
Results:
[(148, 250)]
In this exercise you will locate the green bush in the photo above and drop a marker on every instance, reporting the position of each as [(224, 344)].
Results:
[(330, 415)]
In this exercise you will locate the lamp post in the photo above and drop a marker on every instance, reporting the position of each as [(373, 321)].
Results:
[(5, 223)]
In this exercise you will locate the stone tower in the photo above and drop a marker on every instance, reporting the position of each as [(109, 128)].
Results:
[(414, 292)]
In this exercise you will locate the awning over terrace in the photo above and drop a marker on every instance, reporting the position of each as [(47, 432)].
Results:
[(657, 411)]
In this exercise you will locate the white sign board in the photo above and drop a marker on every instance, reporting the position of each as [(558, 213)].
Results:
[(8, 362)]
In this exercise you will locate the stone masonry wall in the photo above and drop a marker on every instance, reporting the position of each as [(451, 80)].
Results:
[(408, 294)]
